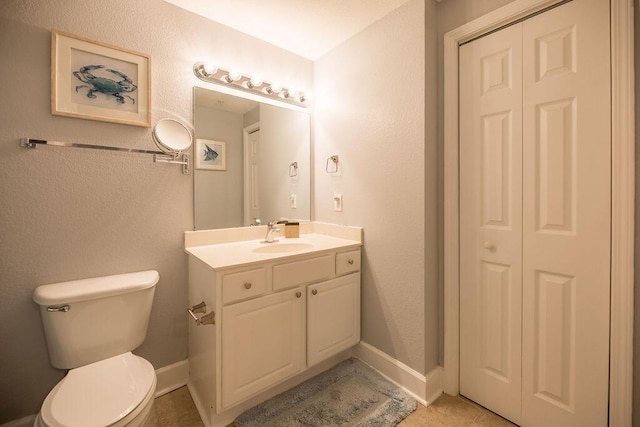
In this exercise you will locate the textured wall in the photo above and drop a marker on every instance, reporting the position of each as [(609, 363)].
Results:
[(372, 114), (69, 213)]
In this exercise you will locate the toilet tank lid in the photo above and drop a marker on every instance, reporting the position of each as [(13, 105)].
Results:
[(93, 288)]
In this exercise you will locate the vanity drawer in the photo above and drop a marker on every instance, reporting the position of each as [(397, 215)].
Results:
[(347, 262), (243, 285), (301, 272)]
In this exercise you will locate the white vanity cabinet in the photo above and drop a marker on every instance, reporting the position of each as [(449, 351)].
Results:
[(273, 320)]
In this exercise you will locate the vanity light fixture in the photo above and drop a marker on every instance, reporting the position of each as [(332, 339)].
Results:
[(212, 74)]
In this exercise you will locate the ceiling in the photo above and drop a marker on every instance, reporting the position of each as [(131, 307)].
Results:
[(223, 101), (309, 28)]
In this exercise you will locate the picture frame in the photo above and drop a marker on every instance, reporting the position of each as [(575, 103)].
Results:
[(97, 81), (211, 155)]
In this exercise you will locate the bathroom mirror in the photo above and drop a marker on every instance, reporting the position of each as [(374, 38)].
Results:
[(171, 136), (266, 151)]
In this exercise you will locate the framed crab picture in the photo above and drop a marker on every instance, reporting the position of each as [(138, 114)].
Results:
[(211, 155), (96, 81)]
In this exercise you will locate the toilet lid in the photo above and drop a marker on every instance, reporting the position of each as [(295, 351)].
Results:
[(99, 394)]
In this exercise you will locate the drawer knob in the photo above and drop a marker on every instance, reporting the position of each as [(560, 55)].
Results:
[(314, 292), (247, 285), (298, 294), (350, 262)]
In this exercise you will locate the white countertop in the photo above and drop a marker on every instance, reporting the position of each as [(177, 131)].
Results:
[(244, 253)]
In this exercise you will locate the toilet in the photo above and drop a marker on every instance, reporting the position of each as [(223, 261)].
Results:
[(91, 326)]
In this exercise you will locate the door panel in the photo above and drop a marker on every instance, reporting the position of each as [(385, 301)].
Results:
[(491, 221), (566, 222), (555, 167), (554, 338), (495, 343)]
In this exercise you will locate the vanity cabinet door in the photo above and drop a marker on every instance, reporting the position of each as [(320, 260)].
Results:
[(333, 317), (262, 343)]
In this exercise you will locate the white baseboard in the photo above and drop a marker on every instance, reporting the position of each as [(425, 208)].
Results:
[(22, 422), (425, 389), (434, 384), (172, 377)]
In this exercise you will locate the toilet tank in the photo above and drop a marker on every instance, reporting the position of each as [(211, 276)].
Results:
[(93, 319)]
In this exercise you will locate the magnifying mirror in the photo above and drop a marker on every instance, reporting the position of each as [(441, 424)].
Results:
[(171, 136)]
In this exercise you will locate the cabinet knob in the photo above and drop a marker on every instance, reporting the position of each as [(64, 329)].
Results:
[(350, 262), (314, 292), (298, 294), (247, 285), (489, 245)]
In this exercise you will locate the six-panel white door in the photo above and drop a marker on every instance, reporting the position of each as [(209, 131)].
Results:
[(567, 215), (491, 221), (535, 217)]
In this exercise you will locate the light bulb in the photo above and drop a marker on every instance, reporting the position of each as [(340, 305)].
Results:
[(274, 88), (252, 83), (232, 76), (209, 69)]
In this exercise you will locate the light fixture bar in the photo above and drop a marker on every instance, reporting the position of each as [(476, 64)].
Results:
[(235, 80)]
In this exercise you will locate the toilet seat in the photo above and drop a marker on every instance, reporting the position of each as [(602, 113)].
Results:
[(110, 392)]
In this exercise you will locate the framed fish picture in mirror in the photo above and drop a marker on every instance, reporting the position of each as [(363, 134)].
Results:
[(97, 81), (211, 155)]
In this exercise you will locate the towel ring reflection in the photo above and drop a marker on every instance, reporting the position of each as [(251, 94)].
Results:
[(293, 169), (332, 169)]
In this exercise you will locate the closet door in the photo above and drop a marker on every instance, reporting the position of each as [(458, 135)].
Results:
[(567, 219), (491, 221), (535, 219)]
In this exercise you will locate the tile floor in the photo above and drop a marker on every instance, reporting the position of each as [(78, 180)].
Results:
[(176, 409)]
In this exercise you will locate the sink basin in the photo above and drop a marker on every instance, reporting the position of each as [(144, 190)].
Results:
[(282, 247)]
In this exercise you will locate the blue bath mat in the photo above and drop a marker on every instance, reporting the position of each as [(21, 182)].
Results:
[(350, 394)]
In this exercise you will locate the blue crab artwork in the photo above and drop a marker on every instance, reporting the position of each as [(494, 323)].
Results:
[(210, 154), (104, 85)]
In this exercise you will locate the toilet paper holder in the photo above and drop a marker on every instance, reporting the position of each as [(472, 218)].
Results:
[(207, 319)]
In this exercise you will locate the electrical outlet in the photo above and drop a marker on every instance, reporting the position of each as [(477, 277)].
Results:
[(293, 201), (337, 202)]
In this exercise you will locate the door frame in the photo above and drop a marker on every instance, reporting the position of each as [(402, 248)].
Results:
[(622, 195)]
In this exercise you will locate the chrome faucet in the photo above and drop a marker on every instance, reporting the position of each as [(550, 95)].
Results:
[(271, 229)]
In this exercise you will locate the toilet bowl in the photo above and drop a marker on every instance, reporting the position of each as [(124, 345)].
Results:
[(91, 326), (115, 392)]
